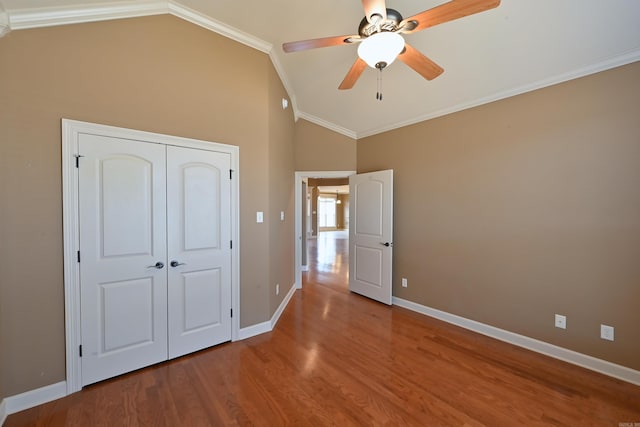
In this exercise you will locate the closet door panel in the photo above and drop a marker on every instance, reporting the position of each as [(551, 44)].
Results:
[(122, 216), (199, 251)]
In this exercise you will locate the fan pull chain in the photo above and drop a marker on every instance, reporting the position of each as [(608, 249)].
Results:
[(379, 93)]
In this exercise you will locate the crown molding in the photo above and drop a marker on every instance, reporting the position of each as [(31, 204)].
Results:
[(331, 126), (216, 26), (21, 19)]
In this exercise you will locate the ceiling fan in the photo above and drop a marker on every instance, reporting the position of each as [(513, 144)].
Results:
[(379, 35)]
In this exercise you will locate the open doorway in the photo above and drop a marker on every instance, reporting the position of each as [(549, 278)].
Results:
[(328, 261), (330, 203), (327, 241), (328, 244)]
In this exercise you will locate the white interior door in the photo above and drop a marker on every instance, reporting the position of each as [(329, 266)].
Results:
[(371, 234), (122, 227), (199, 249)]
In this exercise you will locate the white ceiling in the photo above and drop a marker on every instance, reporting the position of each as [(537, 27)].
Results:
[(520, 46)]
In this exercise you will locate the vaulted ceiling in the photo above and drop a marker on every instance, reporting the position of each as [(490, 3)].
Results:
[(517, 47)]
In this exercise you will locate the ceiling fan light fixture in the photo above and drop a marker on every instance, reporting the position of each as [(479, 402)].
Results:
[(381, 49)]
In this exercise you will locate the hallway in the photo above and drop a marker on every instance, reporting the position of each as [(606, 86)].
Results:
[(328, 260)]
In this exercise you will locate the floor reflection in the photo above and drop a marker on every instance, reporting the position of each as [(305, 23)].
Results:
[(328, 260)]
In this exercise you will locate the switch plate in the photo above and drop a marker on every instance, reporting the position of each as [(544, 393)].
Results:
[(259, 217), (561, 321), (281, 215), (277, 289), (404, 282), (606, 332)]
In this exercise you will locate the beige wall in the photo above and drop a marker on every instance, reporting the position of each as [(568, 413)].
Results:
[(341, 210), (281, 190), (158, 74), (513, 211), (321, 149)]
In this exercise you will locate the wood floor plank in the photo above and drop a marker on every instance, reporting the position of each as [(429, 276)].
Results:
[(339, 359)]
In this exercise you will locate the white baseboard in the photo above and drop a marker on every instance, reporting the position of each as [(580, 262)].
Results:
[(283, 305), (32, 398), (570, 356), (253, 330), (3, 411), (264, 327)]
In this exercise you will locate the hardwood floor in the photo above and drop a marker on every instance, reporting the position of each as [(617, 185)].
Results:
[(336, 358)]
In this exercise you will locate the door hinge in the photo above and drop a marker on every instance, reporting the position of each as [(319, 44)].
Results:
[(231, 312), (77, 156), (230, 173), (80, 350), (230, 244), (78, 256)]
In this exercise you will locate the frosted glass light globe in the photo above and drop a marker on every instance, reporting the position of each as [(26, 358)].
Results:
[(381, 48)]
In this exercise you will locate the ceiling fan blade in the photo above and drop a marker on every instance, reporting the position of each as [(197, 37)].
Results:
[(354, 73), (446, 12), (374, 7), (420, 63), (315, 43)]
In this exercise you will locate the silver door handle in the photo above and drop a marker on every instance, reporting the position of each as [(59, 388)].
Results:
[(176, 263), (387, 244), (159, 265)]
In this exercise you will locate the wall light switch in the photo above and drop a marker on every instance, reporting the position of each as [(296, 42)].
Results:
[(281, 215), (259, 217)]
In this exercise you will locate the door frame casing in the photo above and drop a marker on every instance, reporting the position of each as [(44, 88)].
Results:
[(71, 130), (299, 176)]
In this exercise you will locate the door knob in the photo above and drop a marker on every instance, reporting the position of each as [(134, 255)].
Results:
[(159, 265), (176, 263), (387, 244)]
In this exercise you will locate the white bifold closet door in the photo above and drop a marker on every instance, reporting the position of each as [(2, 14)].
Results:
[(199, 240), (155, 259)]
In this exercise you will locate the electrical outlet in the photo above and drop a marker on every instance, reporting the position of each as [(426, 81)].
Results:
[(259, 217), (606, 332), (561, 321), (404, 282), (277, 289)]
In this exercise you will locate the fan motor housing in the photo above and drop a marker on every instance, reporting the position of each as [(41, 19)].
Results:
[(365, 29)]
